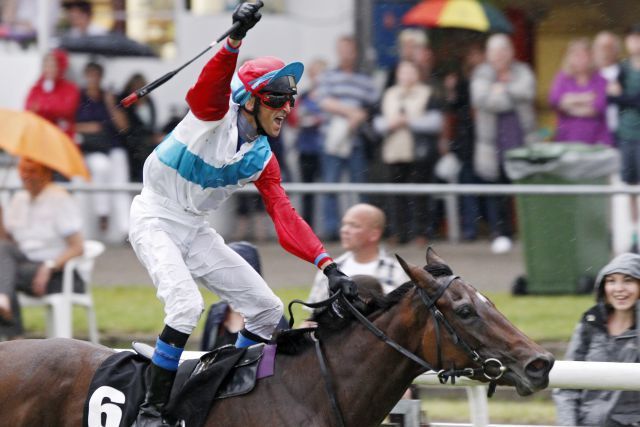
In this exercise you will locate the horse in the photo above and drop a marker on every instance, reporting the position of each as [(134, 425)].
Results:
[(45, 382)]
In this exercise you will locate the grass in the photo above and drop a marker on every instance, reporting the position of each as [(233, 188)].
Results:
[(126, 312), (134, 310), (526, 411)]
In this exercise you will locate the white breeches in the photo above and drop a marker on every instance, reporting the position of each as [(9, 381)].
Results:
[(177, 253)]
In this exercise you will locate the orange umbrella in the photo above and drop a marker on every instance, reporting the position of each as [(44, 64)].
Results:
[(25, 134)]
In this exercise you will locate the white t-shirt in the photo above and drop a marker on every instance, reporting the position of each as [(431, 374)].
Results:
[(610, 73), (385, 268), (40, 226)]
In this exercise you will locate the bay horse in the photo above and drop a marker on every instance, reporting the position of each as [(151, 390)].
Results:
[(44, 382)]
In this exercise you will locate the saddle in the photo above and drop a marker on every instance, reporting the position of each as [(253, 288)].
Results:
[(224, 372)]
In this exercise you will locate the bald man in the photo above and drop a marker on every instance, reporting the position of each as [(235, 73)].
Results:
[(360, 233)]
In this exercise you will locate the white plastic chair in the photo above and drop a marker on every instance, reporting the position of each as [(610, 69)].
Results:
[(60, 305)]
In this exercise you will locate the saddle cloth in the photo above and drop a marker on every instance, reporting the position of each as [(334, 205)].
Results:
[(118, 387)]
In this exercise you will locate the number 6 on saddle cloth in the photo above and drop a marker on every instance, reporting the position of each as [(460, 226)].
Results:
[(223, 373)]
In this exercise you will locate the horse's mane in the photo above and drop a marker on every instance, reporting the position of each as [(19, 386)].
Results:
[(329, 323)]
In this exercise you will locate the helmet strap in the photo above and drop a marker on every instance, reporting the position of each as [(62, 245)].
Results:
[(256, 108)]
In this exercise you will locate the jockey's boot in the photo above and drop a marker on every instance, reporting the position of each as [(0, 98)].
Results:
[(151, 412)]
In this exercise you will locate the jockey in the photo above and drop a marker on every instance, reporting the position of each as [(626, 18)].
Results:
[(218, 147)]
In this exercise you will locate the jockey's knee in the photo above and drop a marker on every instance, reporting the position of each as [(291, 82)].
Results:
[(184, 315), (265, 322)]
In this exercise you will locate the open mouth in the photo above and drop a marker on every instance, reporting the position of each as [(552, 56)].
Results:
[(279, 120)]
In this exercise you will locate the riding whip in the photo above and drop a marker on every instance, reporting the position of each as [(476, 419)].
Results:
[(144, 91)]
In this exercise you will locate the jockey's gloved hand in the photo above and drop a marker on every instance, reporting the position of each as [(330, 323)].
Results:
[(338, 280), (247, 15)]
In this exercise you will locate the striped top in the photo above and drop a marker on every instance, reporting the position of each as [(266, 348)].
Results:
[(354, 89)]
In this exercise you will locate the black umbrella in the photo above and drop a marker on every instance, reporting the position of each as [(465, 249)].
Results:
[(112, 44)]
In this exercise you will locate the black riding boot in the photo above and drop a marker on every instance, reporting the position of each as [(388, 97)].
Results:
[(158, 390)]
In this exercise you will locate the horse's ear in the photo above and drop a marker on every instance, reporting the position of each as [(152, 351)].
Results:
[(433, 258), (421, 277)]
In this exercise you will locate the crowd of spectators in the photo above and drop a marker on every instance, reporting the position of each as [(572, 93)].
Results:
[(398, 131), (348, 124)]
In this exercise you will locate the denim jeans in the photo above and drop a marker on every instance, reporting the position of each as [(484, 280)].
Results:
[(498, 212), (332, 169)]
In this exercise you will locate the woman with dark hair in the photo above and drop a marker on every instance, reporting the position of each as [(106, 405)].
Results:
[(608, 332)]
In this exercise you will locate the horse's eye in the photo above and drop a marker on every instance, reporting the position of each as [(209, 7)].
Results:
[(465, 312)]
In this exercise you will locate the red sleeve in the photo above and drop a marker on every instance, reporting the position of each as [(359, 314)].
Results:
[(294, 233), (208, 98)]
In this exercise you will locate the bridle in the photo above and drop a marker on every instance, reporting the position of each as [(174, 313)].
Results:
[(485, 366)]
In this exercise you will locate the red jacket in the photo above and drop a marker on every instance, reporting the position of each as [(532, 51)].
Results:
[(59, 104)]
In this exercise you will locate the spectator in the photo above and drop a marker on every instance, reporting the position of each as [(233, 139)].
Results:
[(411, 122), (97, 121), (80, 19), (140, 131), (360, 234), (410, 40), (625, 94), (425, 59), (458, 101), (502, 92), (606, 56), (345, 95), (20, 16), (54, 97), (43, 226), (579, 96), (309, 119), (608, 332)]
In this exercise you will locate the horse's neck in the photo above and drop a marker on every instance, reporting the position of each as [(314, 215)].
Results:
[(369, 376)]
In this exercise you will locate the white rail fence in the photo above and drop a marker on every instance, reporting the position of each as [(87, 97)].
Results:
[(447, 192), (564, 374)]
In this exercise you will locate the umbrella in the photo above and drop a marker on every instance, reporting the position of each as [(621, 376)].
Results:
[(112, 44), (467, 14), (23, 133)]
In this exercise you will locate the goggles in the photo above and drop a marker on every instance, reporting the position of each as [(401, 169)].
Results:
[(276, 101), (278, 92)]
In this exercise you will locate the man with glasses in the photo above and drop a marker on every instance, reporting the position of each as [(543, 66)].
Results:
[(216, 149)]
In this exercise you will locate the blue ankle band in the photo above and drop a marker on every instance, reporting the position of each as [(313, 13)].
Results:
[(166, 356), (243, 341)]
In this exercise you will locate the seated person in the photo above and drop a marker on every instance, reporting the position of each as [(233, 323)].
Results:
[(608, 332), (360, 233), (42, 225)]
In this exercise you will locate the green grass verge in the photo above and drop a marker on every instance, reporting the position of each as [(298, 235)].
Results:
[(134, 310), (532, 411)]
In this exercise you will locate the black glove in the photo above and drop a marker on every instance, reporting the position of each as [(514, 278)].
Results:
[(338, 280), (247, 15)]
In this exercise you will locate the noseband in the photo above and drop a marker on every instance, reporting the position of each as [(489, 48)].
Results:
[(487, 367)]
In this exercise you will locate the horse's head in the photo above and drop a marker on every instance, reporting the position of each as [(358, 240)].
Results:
[(476, 327)]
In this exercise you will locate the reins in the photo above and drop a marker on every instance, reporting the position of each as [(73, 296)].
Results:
[(438, 317)]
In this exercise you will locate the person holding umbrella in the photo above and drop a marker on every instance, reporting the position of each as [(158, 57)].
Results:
[(217, 148)]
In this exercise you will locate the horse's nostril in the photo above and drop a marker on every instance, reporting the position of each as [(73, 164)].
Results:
[(539, 367)]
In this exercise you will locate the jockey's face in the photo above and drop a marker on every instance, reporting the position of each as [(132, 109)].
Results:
[(270, 119)]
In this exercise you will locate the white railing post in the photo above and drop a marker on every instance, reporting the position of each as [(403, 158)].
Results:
[(478, 405)]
